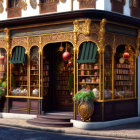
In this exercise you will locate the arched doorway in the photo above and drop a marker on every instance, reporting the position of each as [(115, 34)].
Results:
[(56, 77)]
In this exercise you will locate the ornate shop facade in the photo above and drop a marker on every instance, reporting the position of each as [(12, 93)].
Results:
[(103, 52)]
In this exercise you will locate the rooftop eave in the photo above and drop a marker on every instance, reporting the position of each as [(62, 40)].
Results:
[(71, 15)]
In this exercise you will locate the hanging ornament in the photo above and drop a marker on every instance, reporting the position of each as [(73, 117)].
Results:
[(33, 4), (126, 55), (22, 4), (2, 57), (61, 48), (66, 55), (69, 63)]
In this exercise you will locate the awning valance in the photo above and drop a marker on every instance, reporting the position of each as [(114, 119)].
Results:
[(87, 53), (19, 55)]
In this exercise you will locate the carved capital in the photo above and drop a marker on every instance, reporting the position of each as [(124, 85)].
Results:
[(81, 27), (102, 34), (40, 51), (27, 52), (7, 37)]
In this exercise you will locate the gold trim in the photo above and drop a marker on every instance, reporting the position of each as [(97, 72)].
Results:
[(28, 69), (40, 52), (74, 103), (28, 97), (113, 63), (120, 99), (42, 35), (135, 77)]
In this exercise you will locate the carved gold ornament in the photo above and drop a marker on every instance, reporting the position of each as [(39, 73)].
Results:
[(33, 4), (1, 7), (85, 110), (81, 28), (22, 4), (62, 0)]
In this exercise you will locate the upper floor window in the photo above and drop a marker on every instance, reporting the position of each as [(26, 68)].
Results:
[(135, 8), (48, 1), (12, 3), (46, 6), (134, 3), (117, 5), (87, 4), (12, 8)]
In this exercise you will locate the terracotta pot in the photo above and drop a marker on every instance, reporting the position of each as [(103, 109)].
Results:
[(85, 110)]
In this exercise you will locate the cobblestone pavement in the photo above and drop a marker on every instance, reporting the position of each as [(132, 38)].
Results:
[(12, 133), (129, 131)]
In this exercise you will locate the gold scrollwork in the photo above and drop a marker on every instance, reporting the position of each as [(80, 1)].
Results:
[(81, 27), (7, 37), (102, 35)]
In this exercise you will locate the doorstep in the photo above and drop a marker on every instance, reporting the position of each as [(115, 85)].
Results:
[(102, 125), (18, 116)]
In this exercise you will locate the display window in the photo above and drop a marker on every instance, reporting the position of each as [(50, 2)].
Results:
[(34, 71), (124, 72), (3, 71), (88, 67), (18, 72), (108, 73)]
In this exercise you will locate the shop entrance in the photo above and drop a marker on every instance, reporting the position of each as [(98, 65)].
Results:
[(56, 74)]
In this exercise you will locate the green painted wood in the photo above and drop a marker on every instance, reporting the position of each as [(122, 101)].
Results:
[(87, 53), (18, 56)]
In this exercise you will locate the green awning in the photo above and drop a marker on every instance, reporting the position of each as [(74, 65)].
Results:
[(19, 55), (87, 53)]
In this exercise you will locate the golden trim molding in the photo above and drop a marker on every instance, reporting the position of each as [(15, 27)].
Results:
[(81, 28)]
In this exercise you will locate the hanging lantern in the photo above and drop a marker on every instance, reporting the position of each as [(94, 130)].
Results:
[(61, 48), (126, 55), (69, 63)]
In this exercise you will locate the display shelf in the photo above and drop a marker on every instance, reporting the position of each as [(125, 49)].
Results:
[(88, 75), (34, 76), (88, 83), (88, 69)]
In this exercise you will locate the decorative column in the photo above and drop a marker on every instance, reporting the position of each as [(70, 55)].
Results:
[(80, 27), (137, 75), (40, 75), (101, 62), (113, 60), (101, 57), (7, 39)]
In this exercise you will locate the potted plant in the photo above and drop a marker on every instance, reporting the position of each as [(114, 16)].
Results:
[(85, 98), (71, 83)]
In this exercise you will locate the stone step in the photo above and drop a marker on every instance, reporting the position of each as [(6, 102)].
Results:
[(49, 124), (53, 117), (52, 120)]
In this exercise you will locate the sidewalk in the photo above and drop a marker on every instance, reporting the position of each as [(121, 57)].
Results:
[(131, 131)]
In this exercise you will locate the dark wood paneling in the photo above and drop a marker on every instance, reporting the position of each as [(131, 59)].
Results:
[(115, 110)]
